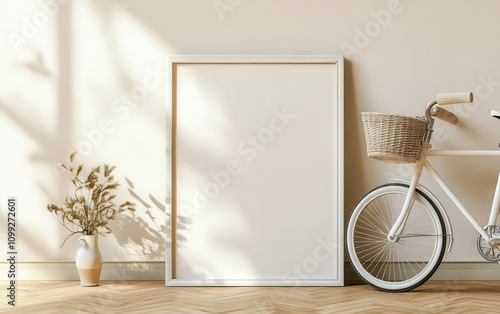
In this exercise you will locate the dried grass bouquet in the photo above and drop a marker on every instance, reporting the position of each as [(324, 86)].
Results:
[(91, 207)]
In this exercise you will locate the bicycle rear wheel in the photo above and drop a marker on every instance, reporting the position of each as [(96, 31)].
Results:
[(406, 262)]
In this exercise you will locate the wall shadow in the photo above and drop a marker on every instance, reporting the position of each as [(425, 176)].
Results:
[(353, 152)]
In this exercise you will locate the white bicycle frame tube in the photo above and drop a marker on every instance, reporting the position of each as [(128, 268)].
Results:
[(495, 207), (455, 200)]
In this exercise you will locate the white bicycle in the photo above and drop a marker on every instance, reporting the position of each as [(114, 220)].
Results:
[(397, 233)]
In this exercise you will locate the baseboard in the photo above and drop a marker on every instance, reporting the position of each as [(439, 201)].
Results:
[(449, 271), (67, 271), (467, 271), (156, 271)]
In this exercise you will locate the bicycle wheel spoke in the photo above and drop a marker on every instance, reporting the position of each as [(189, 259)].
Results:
[(373, 228), (374, 257), (377, 217)]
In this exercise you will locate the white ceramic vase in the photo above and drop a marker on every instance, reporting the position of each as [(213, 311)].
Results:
[(88, 260)]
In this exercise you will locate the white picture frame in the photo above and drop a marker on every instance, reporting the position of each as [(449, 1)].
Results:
[(256, 171)]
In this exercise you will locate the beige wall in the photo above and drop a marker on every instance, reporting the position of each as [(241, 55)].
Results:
[(90, 75)]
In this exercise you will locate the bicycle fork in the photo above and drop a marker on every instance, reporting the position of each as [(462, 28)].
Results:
[(400, 222)]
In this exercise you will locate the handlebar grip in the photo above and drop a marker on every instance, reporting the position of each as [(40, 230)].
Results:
[(454, 98), (445, 115)]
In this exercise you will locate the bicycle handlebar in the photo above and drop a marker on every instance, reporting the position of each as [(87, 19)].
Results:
[(433, 108), (454, 98)]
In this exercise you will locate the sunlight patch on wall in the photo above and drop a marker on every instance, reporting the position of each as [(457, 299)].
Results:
[(29, 121), (119, 86), (128, 29)]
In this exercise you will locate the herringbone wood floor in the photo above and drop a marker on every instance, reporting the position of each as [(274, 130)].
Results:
[(153, 297)]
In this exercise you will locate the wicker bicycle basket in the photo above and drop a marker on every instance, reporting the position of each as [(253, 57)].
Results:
[(393, 138)]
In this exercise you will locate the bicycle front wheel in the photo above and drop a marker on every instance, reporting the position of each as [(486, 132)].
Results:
[(412, 257)]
